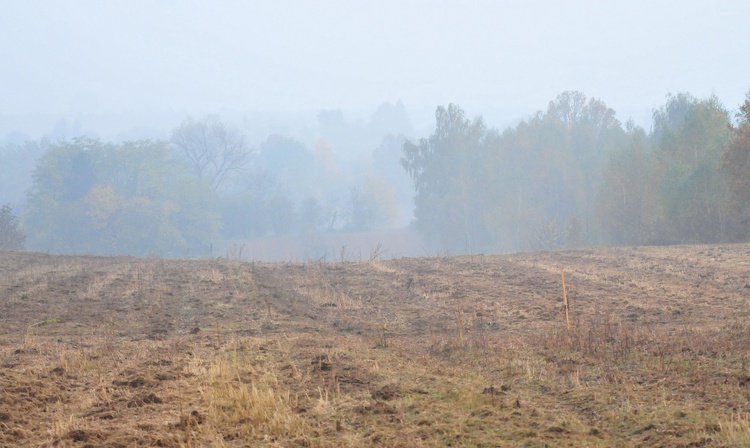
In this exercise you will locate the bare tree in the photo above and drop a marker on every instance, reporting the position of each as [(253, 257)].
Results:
[(215, 151)]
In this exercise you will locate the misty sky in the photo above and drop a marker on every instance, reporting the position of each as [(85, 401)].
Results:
[(72, 57)]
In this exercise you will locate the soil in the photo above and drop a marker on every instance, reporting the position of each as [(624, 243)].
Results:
[(449, 351)]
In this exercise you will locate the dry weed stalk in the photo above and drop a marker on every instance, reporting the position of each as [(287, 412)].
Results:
[(736, 431), (382, 334)]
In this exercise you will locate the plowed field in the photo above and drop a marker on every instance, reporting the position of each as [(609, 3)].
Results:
[(454, 351)]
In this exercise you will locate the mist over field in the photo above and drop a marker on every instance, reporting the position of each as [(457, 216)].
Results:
[(352, 130), (352, 223)]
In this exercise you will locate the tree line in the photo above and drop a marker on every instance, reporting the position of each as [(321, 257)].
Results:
[(573, 175), (569, 176), (204, 185)]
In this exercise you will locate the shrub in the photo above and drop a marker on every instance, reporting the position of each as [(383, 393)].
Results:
[(11, 236)]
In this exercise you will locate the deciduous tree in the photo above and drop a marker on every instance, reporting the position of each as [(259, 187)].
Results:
[(443, 168), (136, 198), (216, 152), (666, 187), (736, 164)]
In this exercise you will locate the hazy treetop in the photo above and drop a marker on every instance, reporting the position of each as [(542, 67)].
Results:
[(197, 56)]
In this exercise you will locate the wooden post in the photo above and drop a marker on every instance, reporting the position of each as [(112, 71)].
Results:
[(565, 298), (461, 326)]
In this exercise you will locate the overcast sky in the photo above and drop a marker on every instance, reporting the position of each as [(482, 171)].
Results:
[(68, 57)]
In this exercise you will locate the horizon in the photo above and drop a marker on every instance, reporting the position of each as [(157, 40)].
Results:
[(502, 61)]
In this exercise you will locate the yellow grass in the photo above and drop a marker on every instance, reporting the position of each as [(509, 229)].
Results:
[(462, 351)]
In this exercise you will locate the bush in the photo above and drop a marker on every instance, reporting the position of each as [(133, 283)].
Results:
[(11, 236)]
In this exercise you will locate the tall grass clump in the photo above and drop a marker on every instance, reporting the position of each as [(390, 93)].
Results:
[(242, 409)]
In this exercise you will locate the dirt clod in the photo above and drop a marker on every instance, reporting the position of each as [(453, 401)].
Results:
[(388, 392)]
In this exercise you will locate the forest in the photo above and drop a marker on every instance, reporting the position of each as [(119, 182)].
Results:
[(574, 176), (571, 175)]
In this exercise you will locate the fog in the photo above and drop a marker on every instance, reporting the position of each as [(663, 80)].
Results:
[(121, 72), (502, 60)]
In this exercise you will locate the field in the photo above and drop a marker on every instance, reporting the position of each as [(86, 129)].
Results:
[(455, 351)]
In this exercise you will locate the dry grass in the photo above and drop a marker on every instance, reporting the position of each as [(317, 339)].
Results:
[(464, 351)]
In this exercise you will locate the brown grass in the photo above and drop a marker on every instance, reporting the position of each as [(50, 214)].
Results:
[(463, 351)]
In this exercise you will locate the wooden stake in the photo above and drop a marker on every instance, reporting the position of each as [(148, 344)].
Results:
[(565, 297), (461, 326)]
